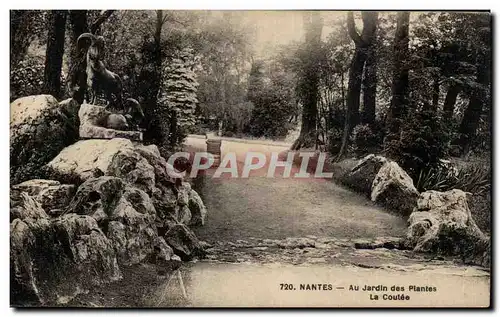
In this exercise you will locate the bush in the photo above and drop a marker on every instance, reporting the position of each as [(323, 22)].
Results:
[(423, 140), (365, 139), (480, 208), (473, 178), (334, 136), (27, 78)]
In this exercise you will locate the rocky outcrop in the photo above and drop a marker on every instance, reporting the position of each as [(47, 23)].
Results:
[(125, 213), (25, 206), (393, 188), (183, 241), (439, 222), (442, 223), (361, 177), (53, 260), (131, 206), (53, 196), (40, 127), (94, 124), (138, 165)]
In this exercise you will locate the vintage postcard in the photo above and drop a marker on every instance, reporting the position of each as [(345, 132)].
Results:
[(169, 158)]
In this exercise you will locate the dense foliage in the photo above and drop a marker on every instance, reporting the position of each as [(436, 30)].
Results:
[(26, 78), (195, 71)]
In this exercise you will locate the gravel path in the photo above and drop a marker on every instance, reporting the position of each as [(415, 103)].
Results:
[(277, 208)]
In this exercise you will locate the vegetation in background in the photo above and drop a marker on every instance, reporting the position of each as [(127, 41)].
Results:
[(415, 87)]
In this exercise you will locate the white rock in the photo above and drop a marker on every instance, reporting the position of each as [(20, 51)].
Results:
[(393, 188)]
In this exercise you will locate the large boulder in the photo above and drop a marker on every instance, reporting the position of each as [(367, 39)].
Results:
[(125, 213), (393, 188), (165, 173), (52, 261), (443, 223), (163, 253), (97, 197), (53, 196), (93, 120), (88, 158), (184, 242), (25, 206), (197, 209), (140, 166), (40, 127), (129, 165), (361, 177)]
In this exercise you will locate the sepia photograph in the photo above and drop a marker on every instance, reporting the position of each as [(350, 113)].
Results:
[(250, 159)]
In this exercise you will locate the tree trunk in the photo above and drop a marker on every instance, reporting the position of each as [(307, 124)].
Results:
[(54, 53), (472, 114), (310, 81), (369, 88), (435, 93), (363, 46), (95, 28), (342, 90), (157, 57), (450, 100), (353, 92), (399, 103), (77, 76), (156, 117), (481, 92)]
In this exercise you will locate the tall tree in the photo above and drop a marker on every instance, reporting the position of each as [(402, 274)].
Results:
[(370, 82), (309, 79), (399, 103), (150, 80), (363, 44), (77, 79), (54, 53), (480, 91)]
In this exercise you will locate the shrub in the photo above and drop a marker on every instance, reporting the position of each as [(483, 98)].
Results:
[(422, 142), (334, 136), (473, 178), (480, 208), (27, 78), (365, 139)]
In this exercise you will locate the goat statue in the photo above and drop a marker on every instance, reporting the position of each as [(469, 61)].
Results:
[(99, 78), (102, 80)]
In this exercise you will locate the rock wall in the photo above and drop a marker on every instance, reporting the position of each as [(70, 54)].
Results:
[(125, 205)]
